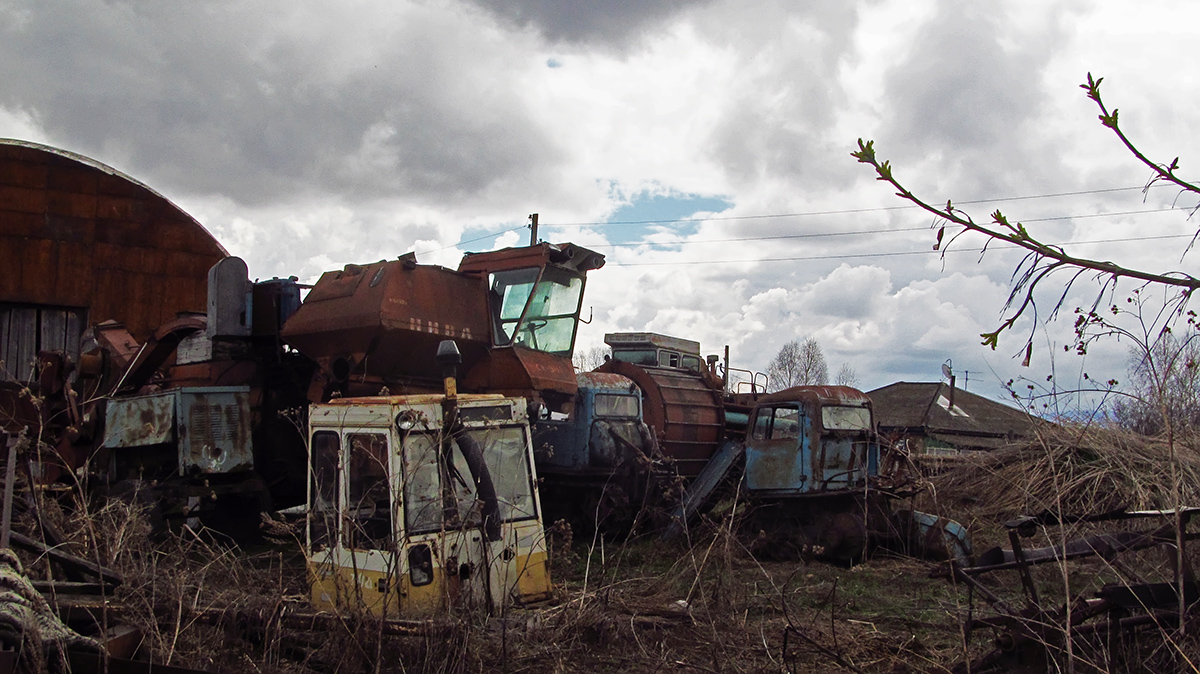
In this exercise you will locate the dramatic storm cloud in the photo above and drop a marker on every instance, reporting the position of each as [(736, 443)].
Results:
[(309, 135)]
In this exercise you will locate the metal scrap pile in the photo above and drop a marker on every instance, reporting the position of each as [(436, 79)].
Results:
[(1103, 592)]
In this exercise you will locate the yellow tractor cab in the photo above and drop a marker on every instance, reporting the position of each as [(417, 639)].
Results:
[(422, 503)]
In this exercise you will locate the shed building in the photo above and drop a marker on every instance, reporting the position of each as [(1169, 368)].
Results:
[(82, 243)]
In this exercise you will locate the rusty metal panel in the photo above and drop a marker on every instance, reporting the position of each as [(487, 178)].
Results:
[(207, 427), (214, 430), (23, 174), (789, 463), (385, 320), (23, 199), (140, 421), (71, 204), (685, 412)]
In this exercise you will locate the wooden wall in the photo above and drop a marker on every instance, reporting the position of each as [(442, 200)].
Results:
[(75, 233)]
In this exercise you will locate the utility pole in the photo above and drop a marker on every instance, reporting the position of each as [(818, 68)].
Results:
[(533, 229)]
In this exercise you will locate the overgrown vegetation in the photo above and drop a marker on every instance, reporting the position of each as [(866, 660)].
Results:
[(640, 605)]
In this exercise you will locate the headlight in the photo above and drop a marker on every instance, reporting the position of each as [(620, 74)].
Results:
[(406, 420)]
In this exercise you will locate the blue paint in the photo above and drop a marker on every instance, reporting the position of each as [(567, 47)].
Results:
[(582, 444), (781, 459)]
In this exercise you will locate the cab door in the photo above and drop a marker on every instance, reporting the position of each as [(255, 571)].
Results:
[(352, 525), (845, 457), (474, 564), (777, 456), (443, 548), (516, 558)]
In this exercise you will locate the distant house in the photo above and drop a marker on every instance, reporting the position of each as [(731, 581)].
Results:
[(937, 420)]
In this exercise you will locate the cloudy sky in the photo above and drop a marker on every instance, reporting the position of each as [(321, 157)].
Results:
[(702, 145)]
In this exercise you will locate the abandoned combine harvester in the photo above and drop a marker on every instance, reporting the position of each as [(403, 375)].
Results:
[(217, 387), (420, 503)]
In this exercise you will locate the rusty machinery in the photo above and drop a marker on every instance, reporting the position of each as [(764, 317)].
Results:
[(1128, 606), (371, 329), (363, 330)]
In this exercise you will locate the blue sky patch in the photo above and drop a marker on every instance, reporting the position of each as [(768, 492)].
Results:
[(657, 211)]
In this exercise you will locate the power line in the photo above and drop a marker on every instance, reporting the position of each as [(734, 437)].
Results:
[(906, 253), (848, 211), (636, 244), (844, 211)]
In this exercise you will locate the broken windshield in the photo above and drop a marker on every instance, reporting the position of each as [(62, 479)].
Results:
[(845, 418), (541, 316), (504, 454)]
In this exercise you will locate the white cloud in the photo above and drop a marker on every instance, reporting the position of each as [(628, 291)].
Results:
[(306, 138)]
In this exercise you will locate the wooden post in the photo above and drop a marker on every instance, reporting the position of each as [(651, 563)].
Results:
[(10, 478)]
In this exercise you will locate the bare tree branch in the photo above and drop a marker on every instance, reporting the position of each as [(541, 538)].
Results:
[(1044, 260)]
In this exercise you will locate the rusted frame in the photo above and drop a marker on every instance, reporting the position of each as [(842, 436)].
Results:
[(1048, 629)]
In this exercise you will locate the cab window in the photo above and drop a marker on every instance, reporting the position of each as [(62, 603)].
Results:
[(369, 510), (637, 356), (776, 423), (505, 453), (845, 418), (611, 405), (323, 488)]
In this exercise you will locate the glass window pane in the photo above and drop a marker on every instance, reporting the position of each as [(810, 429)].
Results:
[(787, 423), (507, 298), (637, 356), (762, 423), (846, 418), (326, 448), (610, 405), (506, 455), (422, 488), (369, 510), (549, 323)]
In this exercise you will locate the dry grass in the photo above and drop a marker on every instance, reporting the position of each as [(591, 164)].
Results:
[(637, 606), (1072, 470)]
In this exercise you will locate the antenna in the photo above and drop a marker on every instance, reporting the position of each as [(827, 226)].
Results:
[(948, 373)]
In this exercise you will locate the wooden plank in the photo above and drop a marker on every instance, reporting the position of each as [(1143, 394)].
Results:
[(22, 199), (22, 173), (105, 575), (22, 343), (5, 321), (76, 322), (10, 484), (53, 328)]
